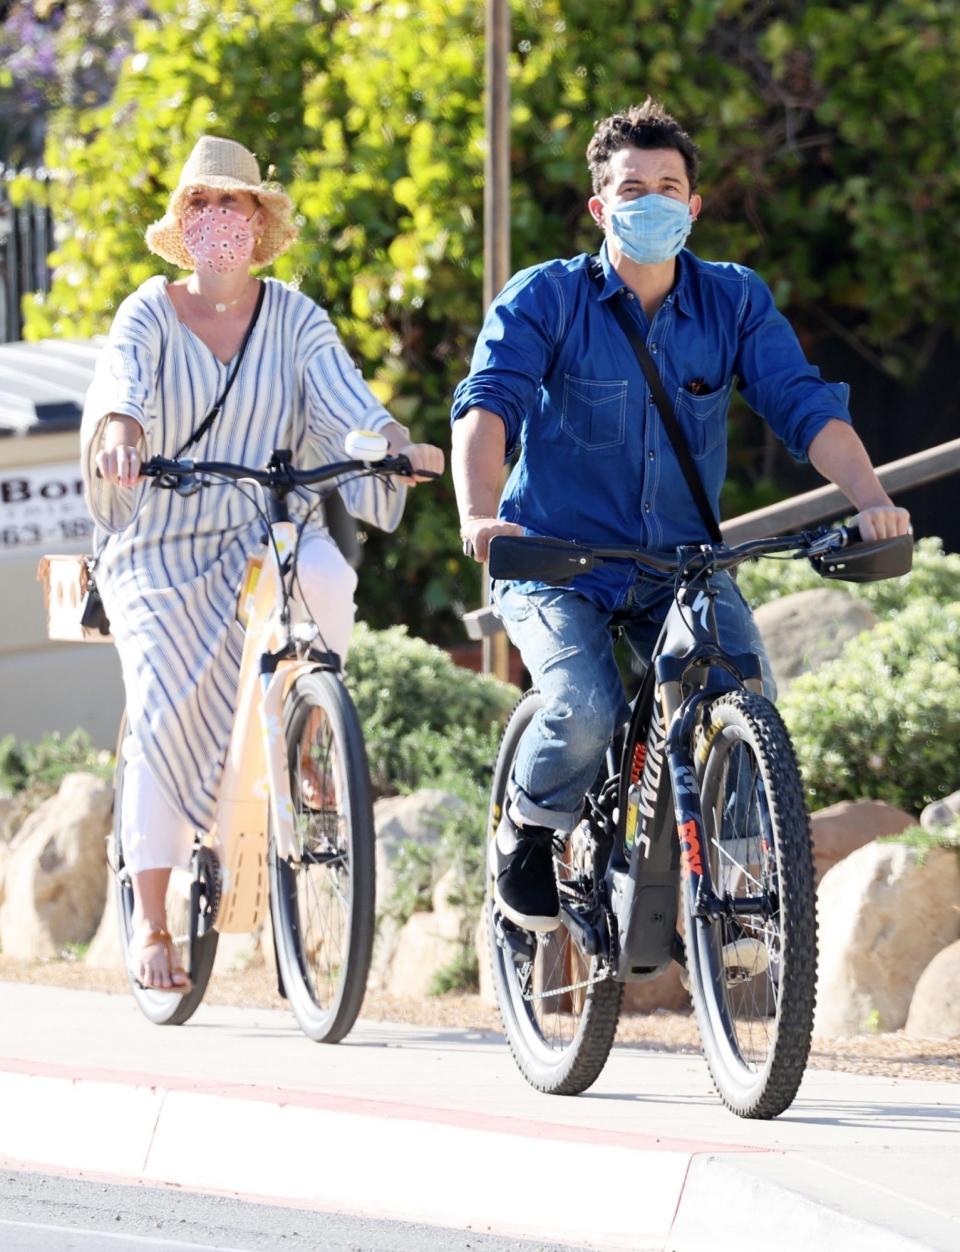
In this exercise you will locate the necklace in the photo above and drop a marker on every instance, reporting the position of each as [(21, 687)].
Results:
[(218, 305)]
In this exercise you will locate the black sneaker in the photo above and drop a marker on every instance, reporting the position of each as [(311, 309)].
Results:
[(525, 890)]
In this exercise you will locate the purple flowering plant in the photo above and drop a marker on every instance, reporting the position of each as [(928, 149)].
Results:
[(55, 53)]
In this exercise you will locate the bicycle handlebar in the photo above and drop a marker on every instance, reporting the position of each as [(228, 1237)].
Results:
[(837, 552), (279, 473)]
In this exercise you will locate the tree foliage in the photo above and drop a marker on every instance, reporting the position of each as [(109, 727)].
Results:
[(827, 131)]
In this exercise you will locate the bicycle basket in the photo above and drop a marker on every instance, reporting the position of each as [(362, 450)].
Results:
[(867, 562)]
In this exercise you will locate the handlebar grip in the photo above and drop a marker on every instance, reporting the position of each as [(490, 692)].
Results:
[(851, 535)]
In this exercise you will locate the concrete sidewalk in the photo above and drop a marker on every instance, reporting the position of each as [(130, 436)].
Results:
[(438, 1126)]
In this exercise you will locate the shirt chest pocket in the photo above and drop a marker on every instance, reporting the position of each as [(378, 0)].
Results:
[(594, 411), (703, 418)]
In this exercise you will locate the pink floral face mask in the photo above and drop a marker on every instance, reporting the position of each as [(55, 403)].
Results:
[(219, 240)]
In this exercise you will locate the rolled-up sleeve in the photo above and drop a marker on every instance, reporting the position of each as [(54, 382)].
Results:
[(338, 400), (777, 380), (513, 352), (125, 381)]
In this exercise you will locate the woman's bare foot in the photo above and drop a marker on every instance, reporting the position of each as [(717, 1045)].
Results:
[(153, 959)]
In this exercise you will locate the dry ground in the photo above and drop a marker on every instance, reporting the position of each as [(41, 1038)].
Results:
[(891, 1055)]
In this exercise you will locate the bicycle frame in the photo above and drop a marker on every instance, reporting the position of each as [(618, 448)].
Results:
[(256, 786), (642, 875)]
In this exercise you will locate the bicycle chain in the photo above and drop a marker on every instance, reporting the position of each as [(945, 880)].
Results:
[(574, 986)]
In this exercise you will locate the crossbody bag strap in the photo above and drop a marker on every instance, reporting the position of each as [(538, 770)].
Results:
[(632, 331), (218, 405)]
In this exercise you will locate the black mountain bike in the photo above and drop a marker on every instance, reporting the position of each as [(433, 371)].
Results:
[(698, 811)]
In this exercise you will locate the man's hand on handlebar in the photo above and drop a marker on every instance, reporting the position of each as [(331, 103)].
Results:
[(476, 533), (882, 521)]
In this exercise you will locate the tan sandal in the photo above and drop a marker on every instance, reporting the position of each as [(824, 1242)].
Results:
[(154, 939)]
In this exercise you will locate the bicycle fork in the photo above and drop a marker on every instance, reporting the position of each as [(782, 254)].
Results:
[(694, 861), (694, 864)]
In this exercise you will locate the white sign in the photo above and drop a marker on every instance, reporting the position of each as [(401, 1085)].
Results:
[(42, 509)]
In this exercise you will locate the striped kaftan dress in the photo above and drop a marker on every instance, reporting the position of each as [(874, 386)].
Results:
[(171, 565)]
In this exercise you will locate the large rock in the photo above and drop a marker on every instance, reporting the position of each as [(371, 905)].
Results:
[(54, 877), (842, 828), (940, 813), (663, 992), (481, 943), (429, 942), (884, 912), (418, 818), (803, 630), (105, 950), (7, 810), (935, 1007)]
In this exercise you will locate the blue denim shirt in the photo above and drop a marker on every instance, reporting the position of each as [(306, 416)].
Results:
[(595, 463)]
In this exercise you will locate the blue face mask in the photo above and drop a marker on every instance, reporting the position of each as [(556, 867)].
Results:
[(651, 228)]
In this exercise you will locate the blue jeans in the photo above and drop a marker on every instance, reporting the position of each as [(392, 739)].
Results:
[(566, 645)]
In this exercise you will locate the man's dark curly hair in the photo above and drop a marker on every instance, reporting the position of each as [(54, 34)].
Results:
[(646, 125)]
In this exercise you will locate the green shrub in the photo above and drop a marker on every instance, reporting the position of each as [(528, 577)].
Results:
[(425, 719), (462, 974), (883, 720), (925, 840), (935, 576), (40, 767), (429, 723)]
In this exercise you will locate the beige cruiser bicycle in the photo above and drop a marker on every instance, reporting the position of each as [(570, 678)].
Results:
[(308, 858)]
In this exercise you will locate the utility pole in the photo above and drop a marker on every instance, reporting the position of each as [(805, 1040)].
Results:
[(496, 229)]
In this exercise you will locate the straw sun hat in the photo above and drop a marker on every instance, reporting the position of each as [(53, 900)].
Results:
[(223, 165)]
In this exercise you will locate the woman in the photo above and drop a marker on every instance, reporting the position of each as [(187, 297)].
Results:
[(170, 565)]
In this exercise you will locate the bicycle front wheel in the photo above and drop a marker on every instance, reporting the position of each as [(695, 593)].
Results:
[(322, 900), (753, 973), (558, 1005)]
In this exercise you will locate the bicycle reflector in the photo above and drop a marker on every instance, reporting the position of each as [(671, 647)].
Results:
[(867, 562), (525, 557)]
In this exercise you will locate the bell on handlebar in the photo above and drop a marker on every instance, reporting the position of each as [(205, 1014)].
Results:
[(365, 445), (867, 562)]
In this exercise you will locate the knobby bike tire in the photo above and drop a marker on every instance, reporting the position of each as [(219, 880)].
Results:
[(573, 1068), (163, 1008), (326, 1018), (758, 1088)]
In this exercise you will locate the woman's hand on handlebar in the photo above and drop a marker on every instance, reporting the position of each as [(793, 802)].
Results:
[(476, 533), (423, 457), (118, 461)]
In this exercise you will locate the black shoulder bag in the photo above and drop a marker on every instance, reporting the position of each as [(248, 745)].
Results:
[(632, 331), (93, 615)]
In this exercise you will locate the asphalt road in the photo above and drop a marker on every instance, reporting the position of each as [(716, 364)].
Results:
[(47, 1213)]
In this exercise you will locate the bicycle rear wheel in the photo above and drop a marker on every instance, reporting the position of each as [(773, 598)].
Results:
[(322, 901), (753, 975), (558, 1009), (189, 911)]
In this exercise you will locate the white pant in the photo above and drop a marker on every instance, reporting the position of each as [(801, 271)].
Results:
[(155, 834)]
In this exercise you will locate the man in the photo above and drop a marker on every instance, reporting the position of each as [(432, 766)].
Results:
[(554, 376)]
